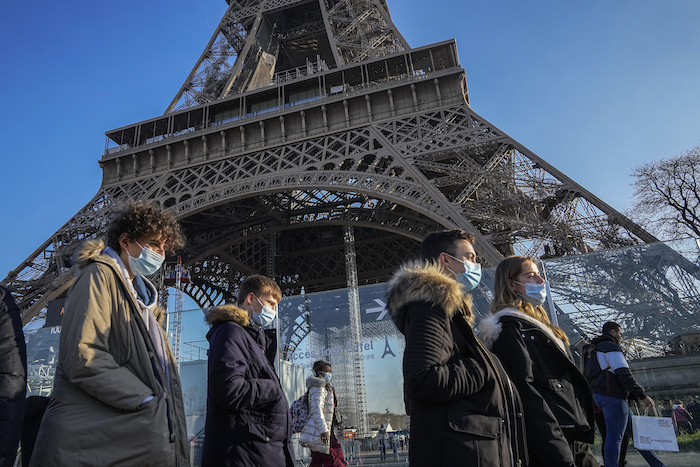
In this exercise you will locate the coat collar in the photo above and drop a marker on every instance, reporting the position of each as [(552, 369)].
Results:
[(490, 327), (315, 382), (227, 312), (419, 281), (94, 251)]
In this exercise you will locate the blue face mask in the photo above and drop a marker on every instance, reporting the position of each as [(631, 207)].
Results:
[(328, 376), (471, 276), (147, 263), (535, 294), (266, 316)]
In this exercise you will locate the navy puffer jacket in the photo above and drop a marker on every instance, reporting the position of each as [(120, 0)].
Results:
[(248, 420)]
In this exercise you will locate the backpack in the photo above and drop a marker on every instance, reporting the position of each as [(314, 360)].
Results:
[(591, 367), (300, 413)]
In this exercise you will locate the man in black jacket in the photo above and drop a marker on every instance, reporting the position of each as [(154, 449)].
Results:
[(13, 377), (611, 387)]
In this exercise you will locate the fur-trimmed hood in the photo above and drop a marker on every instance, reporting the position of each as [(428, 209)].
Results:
[(228, 312), (315, 382), (419, 281), (490, 327), (88, 250)]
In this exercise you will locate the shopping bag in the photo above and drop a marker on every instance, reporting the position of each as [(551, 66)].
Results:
[(654, 433)]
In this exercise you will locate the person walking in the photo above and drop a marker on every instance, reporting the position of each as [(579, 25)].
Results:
[(13, 377), (463, 408), (247, 421), (683, 418), (558, 405), (381, 441), (613, 384), (318, 434), (116, 399)]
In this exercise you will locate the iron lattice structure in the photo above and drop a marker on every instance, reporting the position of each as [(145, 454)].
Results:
[(302, 118)]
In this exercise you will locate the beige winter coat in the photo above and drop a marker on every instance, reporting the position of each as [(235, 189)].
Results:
[(321, 406), (106, 368)]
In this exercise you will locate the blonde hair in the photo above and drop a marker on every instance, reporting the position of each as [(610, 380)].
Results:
[(504, 297)]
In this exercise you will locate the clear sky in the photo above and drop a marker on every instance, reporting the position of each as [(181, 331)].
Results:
[(596, 88)]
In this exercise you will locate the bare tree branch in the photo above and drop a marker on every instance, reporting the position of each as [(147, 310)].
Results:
[(667, 195)]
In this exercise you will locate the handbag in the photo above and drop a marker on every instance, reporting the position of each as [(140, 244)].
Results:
[(653, 433)]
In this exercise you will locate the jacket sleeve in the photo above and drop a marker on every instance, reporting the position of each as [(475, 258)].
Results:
[(544, 435), (230, 363), (430, 374), (85, 353), (317, 397), (13, 375), (614, 360), (629, 383)]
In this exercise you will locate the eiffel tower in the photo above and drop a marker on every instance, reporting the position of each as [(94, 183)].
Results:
[(312, 144)]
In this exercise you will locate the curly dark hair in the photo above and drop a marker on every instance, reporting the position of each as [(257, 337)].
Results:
[(140, 218)]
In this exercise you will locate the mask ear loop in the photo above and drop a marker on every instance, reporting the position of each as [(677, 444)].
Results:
[(550, 302)]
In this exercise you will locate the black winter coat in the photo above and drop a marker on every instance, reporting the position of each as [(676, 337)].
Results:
[(248, 422), (463, 408), (556, 396), (13, 377)]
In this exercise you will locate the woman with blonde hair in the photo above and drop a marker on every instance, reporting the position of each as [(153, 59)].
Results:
[(558, 404)]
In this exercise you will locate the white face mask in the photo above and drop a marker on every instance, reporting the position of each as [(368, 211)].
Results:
[(535, 294), (471, 276), (147, 263), (266, 316)]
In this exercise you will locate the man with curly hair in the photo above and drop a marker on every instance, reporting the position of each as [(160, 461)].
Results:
[(117, 399)]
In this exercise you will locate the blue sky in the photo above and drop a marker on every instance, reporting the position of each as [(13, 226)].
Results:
[(596, 88)]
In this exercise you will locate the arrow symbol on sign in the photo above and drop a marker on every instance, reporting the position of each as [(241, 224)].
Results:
[(380, 309)]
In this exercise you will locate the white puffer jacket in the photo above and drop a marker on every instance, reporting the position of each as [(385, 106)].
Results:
[(320, 414)]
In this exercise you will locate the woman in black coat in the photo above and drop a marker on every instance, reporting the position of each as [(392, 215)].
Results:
[(463, 408), (248, 420), (556, 396)]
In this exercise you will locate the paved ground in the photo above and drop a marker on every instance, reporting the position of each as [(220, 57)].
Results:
[(670, 459)]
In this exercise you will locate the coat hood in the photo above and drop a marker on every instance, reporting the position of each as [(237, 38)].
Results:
[(315, 382), (604, 338), (94, 249), (490, 327), (89, 249), (425, 282), (228, 312)]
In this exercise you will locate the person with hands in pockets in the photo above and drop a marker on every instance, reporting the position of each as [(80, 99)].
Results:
[(247, 421), (116, 399)]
